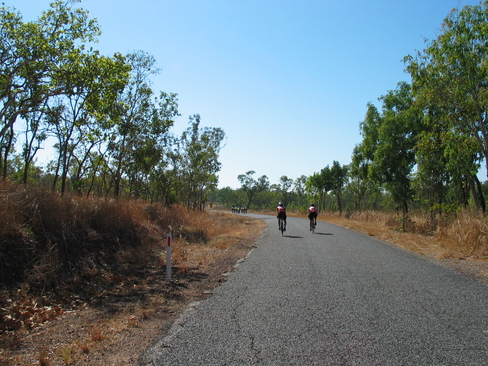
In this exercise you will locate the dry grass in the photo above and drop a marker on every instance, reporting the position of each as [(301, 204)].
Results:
[(462, 236), (220, 230), (465, 236), (64, 255)]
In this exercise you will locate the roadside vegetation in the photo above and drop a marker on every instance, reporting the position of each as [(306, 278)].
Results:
[(60, 253), (462, 236)]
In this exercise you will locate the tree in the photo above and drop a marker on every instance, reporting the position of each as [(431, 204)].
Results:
[(451, 73), (35, 133), (330, 180), (338, 177), (81, 116), (394, 157), (252, 187), (35, 56), (432, 177), (141, 134), (227, 197), (300, 185), (317, 187), (200, 153), (283, 189), (363, 157)]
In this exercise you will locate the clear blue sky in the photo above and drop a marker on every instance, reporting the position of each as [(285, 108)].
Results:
[(288, 81)]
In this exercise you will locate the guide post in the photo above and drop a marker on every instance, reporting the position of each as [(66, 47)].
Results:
[(168, 257)]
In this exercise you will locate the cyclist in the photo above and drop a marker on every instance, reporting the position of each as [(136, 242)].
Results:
[(281, 209), (312, 215)]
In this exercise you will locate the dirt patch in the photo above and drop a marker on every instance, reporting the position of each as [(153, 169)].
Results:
[(121, 323)]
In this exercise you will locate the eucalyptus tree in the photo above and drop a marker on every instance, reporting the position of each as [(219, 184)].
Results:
[(200, 164), (282, 189), (7, 145), (363, 154), (152, 143), (139, 138), (227, 197), (252, 187), (363, 190), (361, 185), (462, 164), (451, 73), (447, 162), (317, 187), (338, 178), (35, 134), (167, 174), (394, 156), (81, 116), (299, 187), (330, 179), (34, 57)]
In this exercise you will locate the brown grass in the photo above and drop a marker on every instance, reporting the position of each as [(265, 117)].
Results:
[(44, 358), (461, 236), (65, 253)]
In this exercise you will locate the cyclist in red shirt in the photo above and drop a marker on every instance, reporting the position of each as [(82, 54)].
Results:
[(281, 209), (312, 213)]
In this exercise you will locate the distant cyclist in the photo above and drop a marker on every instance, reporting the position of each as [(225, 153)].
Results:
[(312, 215), (281, 209)]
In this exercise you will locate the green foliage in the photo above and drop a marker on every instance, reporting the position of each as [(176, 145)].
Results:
[(252, 187), (112, 131), (422, 149), (199, 164), (449, 82)]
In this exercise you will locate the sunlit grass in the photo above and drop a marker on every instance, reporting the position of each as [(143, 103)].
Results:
[(463, 235)]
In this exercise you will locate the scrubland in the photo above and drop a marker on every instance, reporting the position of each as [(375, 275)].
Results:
[(83, 279), (460, 236)]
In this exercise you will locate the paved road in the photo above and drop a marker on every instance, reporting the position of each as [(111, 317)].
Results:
[(335, 297)]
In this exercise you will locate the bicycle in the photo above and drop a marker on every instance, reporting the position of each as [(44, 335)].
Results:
[(282, 226), (312, 226)]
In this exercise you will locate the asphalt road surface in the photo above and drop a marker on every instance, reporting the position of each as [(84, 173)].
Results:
[(335, 297)]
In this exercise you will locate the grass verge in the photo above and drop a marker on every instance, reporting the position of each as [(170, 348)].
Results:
[(83, 280)]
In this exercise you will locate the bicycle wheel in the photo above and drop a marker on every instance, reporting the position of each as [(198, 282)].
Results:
[(312, 226)]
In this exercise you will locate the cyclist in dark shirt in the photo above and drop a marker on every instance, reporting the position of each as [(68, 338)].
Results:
[(281, 209)]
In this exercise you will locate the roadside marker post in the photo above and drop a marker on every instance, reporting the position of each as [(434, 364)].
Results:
[(168, 257)]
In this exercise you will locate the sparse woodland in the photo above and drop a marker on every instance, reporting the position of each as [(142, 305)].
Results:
[(121, 180)]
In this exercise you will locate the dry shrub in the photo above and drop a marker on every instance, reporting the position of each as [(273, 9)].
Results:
[(45, 236), (84, 347), (416, 223), (465, 235), (44, 358), (96, 334), (11, 212), (219, 231)]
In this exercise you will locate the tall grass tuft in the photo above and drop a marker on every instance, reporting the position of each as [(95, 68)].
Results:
[(466, 235)]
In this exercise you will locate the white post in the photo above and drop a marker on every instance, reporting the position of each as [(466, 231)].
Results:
[(168, 258)]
